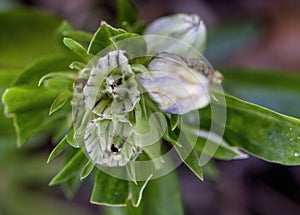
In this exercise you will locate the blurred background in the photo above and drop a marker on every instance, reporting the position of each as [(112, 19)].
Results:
[(256, 35)]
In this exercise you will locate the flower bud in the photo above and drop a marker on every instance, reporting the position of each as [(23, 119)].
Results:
[(189, 29), (179, 85)]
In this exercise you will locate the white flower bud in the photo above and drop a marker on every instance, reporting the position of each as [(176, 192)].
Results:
[(177, 84), (189, 29)]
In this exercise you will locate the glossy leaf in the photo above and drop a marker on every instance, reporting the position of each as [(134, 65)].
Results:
[(259, 131), (276, 90)]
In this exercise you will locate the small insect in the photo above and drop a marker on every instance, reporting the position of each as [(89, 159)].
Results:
[(177, 84)]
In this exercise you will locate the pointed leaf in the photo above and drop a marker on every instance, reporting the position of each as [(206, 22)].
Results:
[(88, 168), (58, 149), (71, 169), (77, 49), (101, 38), (60, 101), (261, 132)]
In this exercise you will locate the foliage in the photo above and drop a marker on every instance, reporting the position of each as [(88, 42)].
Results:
[(39, 98)]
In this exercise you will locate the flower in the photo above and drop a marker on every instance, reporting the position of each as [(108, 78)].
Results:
[(110, 144), (104, 95), (177, 84), (188, 30), (111, 87)]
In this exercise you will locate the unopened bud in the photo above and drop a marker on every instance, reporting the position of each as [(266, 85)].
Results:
[(188, 29)]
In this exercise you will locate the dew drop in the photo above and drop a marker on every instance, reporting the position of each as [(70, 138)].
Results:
[(296, 154)]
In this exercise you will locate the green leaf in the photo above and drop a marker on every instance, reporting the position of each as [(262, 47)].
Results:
[(29, 108), (276, 90), (223, 152), (174, 121), (101, 38), (136, 191), (183, 147), (134, 44), (126, 12), (66, 30), (71, 169), (29, 104), (26, 35), (60, 101), (88, 168), (259, 131), (109, 191), (57, 76), (163, 196), (156, 198), (32, 74), (77, 49), (71, 139), (58, 149), (70, 187)]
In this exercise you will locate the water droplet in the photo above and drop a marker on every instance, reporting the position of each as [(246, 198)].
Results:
[(296, 154)]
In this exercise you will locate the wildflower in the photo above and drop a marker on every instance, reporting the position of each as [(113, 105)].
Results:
[(188, 30), (177, 84)]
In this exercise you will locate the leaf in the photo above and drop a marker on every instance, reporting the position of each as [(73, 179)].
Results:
[(58, 149), (156, 198), (88, 168), (71, 139), (77, 49), (276, 90), (162, 196), (28, 104), (66, 30), (32, 74), (223, 152), (101, 38), (25, 36), (134, 44), (60, 101), (70, 187), (126, 12), (259, 131), (29, 108), (109, 191), (136, 191), (71, 169), (188, 155)]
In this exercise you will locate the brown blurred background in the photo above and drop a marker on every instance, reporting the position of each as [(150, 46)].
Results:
[(266, 35)]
